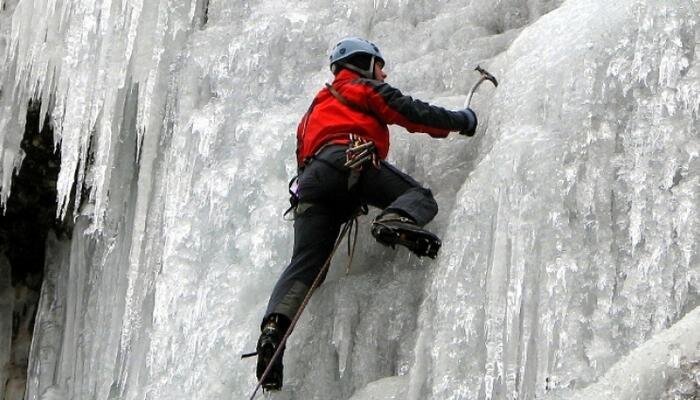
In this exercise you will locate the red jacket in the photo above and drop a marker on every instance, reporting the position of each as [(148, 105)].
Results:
[(374, 105)]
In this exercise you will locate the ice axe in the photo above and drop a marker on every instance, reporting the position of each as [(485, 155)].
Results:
[(485, 76)]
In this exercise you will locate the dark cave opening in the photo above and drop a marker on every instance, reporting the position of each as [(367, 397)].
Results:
[(31, 207), (29, 216)]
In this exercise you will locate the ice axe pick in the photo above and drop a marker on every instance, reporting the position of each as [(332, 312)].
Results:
[(485, 76)]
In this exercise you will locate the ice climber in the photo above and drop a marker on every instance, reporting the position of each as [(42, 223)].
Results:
[(342, 144)]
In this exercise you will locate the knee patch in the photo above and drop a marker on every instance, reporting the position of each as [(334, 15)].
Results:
[(291, 301)]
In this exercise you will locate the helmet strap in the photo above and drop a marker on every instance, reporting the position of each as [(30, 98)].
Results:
[(369, 74)]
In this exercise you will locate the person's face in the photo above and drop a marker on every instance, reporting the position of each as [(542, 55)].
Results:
[(379, 73)]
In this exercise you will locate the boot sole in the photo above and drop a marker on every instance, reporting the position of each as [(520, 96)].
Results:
[(418, 241)]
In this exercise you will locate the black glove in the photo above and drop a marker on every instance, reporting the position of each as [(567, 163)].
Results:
[(470, 128)]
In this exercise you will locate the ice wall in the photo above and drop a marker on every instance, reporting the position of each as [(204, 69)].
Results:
[(570, 221)]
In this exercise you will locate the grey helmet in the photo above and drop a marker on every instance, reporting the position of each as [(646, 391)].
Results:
[(351, 46)]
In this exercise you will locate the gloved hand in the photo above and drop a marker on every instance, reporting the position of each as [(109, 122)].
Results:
[(470, 116)]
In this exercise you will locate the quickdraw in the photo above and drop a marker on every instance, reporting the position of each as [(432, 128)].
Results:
[(359, 152)]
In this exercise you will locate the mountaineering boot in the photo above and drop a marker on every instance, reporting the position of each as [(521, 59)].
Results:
[(270, 338), (391, 229)]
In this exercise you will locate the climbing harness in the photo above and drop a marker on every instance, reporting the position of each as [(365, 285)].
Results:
[(359, 152)]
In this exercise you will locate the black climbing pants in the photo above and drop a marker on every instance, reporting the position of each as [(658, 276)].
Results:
[(325, 203)]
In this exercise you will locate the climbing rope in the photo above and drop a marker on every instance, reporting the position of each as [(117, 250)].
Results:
[(346, 228)]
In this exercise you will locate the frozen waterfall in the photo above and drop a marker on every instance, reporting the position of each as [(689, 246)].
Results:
[(571, 222)]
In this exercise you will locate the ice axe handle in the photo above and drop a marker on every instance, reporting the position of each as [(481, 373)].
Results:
[(485, 76)]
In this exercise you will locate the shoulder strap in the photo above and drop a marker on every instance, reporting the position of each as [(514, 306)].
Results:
[(345, 101)]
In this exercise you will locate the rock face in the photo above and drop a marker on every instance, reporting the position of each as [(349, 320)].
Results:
[(570, 221)]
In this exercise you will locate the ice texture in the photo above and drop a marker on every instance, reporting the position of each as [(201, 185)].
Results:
[(666, 353), (570, 221)]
